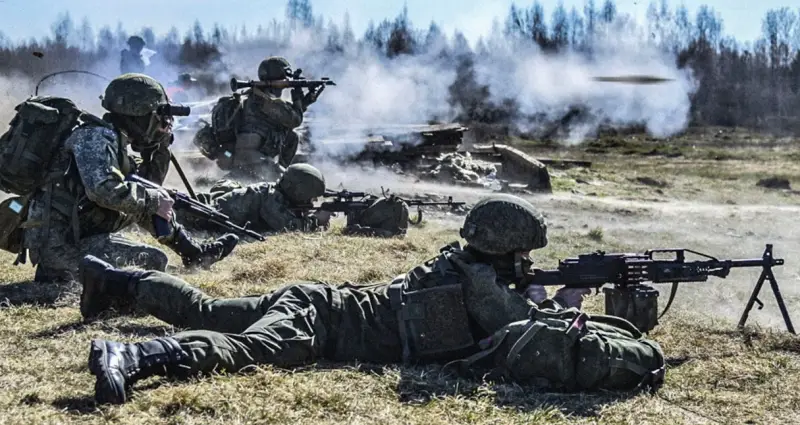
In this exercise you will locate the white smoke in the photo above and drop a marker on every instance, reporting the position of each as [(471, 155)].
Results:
[(374, 92)]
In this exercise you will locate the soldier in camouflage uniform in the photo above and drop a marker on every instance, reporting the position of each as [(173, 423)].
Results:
[(79, 213), (278, 207), (436, 312), (265, 128), (131, 60), (268, 207)]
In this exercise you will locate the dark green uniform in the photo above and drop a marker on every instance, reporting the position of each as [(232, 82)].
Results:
[(437, 311)]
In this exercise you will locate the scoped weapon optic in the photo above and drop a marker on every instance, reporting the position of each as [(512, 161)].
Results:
[(629, 296), (185, 203)]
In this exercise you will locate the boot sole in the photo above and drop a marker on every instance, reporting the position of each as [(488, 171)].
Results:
[(98, 365)]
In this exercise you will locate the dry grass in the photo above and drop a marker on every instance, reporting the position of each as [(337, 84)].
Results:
[(716, 374)]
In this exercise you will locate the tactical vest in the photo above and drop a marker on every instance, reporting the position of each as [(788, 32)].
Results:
[(68, 196), (431, 311)]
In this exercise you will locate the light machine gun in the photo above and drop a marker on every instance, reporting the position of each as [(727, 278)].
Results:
[(185, 203), (629, 297), (353, 203)]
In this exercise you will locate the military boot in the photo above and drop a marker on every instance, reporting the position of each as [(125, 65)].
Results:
[(118, 366), (104, 286), (202, 255)]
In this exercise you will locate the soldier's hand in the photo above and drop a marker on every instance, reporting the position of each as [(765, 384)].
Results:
[(536, 293), (323, 218), (313, 95), (297, 94), (165, 203), (572, 297)]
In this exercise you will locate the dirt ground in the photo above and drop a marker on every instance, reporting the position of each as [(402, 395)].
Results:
[(699, 192)]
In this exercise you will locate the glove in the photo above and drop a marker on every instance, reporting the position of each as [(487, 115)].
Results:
[(313, 95), (571, 297), (536, 293), (297, 94)]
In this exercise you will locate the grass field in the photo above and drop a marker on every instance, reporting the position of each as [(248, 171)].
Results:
[(700, 192)]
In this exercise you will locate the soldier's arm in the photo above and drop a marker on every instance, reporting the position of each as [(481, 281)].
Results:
[(95, 152), (155, 164), (283, 113), (491, 305), (278, 217)]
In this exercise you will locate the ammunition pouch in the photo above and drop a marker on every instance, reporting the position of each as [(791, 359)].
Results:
[(637, 304), (13, 212), (431, 312)]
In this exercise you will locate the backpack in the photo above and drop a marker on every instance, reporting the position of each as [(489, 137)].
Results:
[(225, 117), (35, 136), (385, 217), (574, 351)]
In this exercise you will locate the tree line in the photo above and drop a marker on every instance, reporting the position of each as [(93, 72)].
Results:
[(752, 83)]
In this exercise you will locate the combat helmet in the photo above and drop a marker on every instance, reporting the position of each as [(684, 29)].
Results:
[(134, 95), (273, 68), (136, 42), (301, 183), (502, 224)]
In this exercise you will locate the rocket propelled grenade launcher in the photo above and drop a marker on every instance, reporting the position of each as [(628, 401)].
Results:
[(280, 84)]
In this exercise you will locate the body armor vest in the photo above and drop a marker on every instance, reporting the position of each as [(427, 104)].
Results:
[(430, 307)]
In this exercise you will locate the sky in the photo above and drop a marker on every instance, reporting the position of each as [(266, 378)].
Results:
[(22, 19)]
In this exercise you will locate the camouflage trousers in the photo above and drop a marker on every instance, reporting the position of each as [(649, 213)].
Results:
[(292, 326), (61, 262)]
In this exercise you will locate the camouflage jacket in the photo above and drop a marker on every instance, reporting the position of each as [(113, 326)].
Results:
[(93, 196), (263, 206), (271, 118), (449, 303)]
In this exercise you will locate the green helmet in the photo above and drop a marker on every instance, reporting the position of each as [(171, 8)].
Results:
[(134, 95), (273, 68), (502, 224), (301, 183)]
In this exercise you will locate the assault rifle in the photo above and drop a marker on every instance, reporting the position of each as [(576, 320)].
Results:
[(630, 298), (185, 203)]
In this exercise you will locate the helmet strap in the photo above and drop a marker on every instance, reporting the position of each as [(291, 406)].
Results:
[(518, 271)]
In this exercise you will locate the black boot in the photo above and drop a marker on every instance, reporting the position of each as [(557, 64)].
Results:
[(104, 285), (118, 366), (203, 255)]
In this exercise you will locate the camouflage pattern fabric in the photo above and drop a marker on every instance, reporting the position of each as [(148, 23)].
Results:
[(134, 95), (60, 262), (261, 204), (303, 322), (386, 217), (267, 128), (501, 224), (107, 202)]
